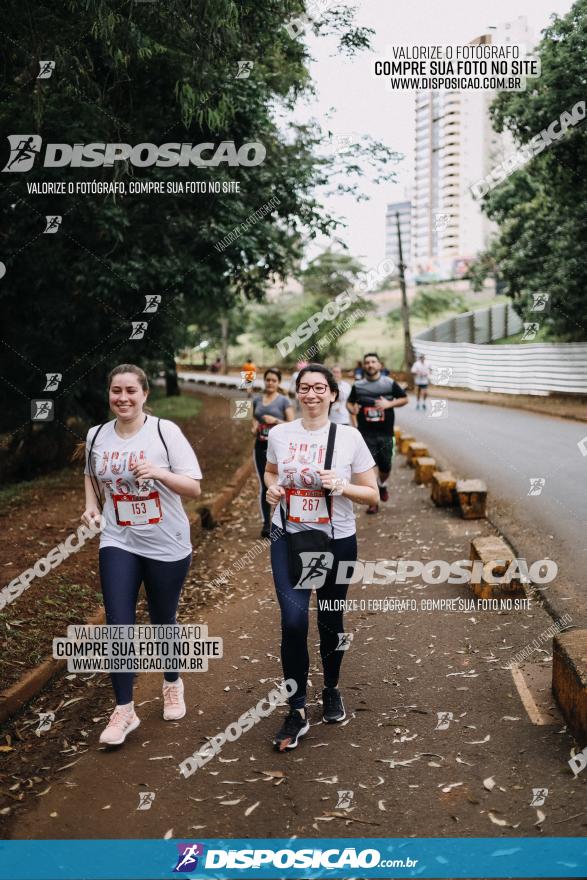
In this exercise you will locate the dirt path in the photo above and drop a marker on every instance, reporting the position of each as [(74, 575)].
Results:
[(408, 777), (46, 511)]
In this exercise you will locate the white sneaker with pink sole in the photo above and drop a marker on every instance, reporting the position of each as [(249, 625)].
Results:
[(122, 722), (173, 702)]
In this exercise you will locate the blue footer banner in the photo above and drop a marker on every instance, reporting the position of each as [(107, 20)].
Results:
[(297, 858)]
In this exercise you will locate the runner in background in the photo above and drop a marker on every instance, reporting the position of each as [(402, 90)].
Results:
[(338, 411), (358, 370), (373, 400), (297, 483), (269, 409), (249, 369), (142, 466), (421, 372)]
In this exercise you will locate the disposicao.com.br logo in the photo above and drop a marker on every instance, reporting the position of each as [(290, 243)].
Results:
[(333, 858), (25, 148)]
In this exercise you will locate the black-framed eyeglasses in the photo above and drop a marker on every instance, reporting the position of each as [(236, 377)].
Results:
[(319, 388)]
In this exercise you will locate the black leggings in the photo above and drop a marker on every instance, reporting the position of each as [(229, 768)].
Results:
[(121, 574), (260, 454), (295, 605)]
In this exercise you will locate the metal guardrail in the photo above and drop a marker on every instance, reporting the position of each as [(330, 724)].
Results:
[(479, 327), (456, 351)]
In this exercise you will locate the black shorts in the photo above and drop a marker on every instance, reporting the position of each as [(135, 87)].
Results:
[(381, 448)]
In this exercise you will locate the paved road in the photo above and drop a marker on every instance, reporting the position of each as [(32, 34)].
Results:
[(508, 448)]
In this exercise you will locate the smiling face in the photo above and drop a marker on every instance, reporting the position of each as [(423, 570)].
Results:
[(126, 396), (314, 395)]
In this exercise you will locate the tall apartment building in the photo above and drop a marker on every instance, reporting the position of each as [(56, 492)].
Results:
[(455, 147), (404, 209)]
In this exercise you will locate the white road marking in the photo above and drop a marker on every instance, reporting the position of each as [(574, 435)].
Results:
[(534, 713)]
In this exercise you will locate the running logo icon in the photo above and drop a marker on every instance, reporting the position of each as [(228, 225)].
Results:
[(153, 301), (46, 68), (537, 484), (539, 796), (315, 567), (53, 222), (187, 860), (138, 329), (42, 410), (53, 380), (24, 149)]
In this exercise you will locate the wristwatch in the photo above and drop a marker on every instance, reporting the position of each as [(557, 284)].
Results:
[(338, 485)]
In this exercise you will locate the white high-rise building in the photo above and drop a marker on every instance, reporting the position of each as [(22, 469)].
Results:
[(455, 147)]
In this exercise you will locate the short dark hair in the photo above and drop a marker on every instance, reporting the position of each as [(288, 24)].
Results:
[(275, 372), (371, 354), (324, 371)]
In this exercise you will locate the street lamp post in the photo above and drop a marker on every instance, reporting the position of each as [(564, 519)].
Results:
[(408, 350)]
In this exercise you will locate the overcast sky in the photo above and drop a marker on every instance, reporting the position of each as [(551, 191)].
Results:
[(361, 104)]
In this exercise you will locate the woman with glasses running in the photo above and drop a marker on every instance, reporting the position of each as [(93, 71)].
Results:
[(298, 484), (269, 409)]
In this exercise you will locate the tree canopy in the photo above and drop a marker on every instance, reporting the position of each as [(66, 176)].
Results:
[(541, 208), (185, 72)]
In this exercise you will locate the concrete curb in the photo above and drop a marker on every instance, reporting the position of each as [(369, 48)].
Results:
[(34, 680)]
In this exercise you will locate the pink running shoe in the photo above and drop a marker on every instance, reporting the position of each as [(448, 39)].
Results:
[(173, 702), (122, 722)]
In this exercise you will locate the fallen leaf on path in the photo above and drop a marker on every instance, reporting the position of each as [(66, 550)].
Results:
[(168, 834), (249, 810), (272, 774), (478, 742), (231, 803), (381, 805), (450, 786), (540, 816)]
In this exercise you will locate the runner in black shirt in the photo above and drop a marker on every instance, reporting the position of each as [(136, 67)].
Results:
[(373, 400)]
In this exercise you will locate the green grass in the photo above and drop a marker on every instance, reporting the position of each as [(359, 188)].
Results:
[(15, 494), (175, 408), (541, 336)]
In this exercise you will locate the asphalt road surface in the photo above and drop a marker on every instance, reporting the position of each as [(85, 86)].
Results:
[(509, 449)]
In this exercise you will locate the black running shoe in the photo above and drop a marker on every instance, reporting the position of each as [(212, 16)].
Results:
[(374, 508), (383, 493), (332, 706), (290, 731)]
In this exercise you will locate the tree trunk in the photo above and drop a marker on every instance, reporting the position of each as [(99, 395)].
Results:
[(171, 383)]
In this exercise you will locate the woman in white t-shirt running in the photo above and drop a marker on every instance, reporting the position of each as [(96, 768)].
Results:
[(297, 483), (142, 466)]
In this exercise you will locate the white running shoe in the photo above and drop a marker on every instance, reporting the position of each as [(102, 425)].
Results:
[(173, 702), (122, 722)]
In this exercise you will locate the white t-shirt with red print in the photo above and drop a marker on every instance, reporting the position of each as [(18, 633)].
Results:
[(299, 455), (112, 457)]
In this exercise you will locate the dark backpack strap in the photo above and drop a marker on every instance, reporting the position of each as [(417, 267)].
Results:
[(327, 466), (93, 476), (163, 440)]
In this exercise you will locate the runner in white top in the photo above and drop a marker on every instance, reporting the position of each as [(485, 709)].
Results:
[(295, 476), (421, 372), (339, 413), (141, 466)]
